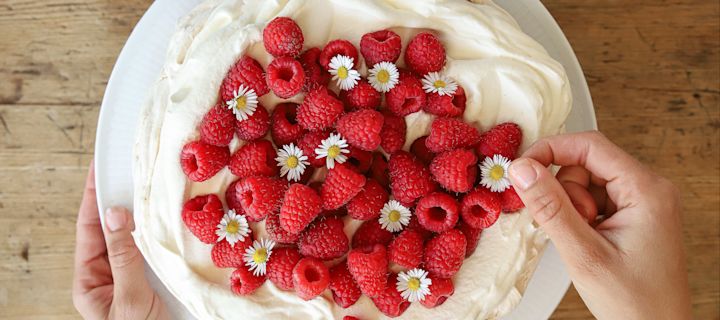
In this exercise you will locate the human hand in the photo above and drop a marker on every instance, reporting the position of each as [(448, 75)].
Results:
[(109, 281), (630, 263)]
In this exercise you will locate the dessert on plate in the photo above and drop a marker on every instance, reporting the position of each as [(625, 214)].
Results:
[(326, 159)]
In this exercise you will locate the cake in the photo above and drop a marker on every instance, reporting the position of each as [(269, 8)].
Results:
[(510, 86)]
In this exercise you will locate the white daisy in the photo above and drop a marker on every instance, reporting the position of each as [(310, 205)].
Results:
[(435, 82), (291, 161), (333, 149), (413, 285), (257, 256), (233, 227), (341, 67), (494, 172), (383, 76), (244, 103), (394, 216)]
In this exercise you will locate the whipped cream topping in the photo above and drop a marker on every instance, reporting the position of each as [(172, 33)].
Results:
[(506, 75)]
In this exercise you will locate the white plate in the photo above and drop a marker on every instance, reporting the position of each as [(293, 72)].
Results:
[(138, 67)]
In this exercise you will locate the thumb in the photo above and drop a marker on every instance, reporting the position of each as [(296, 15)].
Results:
[(126, 262)]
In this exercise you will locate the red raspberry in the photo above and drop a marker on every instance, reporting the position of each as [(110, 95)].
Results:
[(480, 208), (350, 318), (415, 225), (341, 184), (368, 203), (280, 267), (362, 96), (445, 105), (345, 291), (310, 278), (510, 201), (503, 139), (247, 72), (217, 126), (360, 160), (451, 133), (407, 249), (201, 215), (440, 290), (393, 133), (444, 254), (284, 128), (361, 128), (425, 53), (255, 127), (283, 37), (368, 266), (420, 150), (226, 256), (370, 233), (300, 206), (260, 196), (201, 161), (455, 170), (379, 169), (472, 236), (338, 47), (244, 282), (309, 142), (315, 75), (276, 232), (257, 158), (407, 96), (379, 46), (324, 240), (409, 179), (285, 77), (437, 212), (389, 302), (319, 110), (231, 198)]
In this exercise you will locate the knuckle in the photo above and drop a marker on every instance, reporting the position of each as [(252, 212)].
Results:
[(548, 206), (596, 136), (123, 253)]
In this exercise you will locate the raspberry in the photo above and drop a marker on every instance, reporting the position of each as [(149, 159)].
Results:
[(480, 208), (283, 37), (361, 128), (284, 128), (420, 150), (345, 291), (248, 72), (201, 161), (368, 266), (362, 96), (379, 169), (445, 105), (350, 318), (510, 201), (437, 212), (336, 47), (280, 267), (324, 240), (393, 133), (276, 232), (407, 249), (308, 142), (285, 77), (256, 158), (379, 46), (360, 160), (472, 236), (319, 110), (503, 139), (260, 196), (367, 204), (231, 198), (440, 290), (455, 170), (315, 75), (310, 278), (389, 302), (225, 255), (450, 133), (244, 282), (370, 233), (217, 126), (409, 179), (407, 96), (255, 127), (417, 227), (444, 254), (425, 53), (201, 216), (341, 185), (300, 206)]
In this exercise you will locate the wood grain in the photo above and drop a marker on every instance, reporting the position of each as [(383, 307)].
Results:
[(653, 68)]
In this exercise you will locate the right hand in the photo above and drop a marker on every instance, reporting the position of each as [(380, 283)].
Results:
[(629, 263)]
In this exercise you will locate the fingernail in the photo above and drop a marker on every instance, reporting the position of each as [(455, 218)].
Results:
[(116, 219), (522, 174)]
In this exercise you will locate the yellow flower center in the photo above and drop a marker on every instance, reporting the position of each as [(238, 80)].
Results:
[(292, 162), (394, 216), (383, 76), (232, 227), (333, 151), (241, 102), (497, 173), (260, 256), (342, 73), (439, 84), (413, 284)]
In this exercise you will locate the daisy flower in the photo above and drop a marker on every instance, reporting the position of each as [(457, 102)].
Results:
[(244, 103), (291, 161), (413, 285), (333, 149), (394, 216), (233, 227), (383, 76), (341, 68), (435, 82), (257, 256), (494, 173)]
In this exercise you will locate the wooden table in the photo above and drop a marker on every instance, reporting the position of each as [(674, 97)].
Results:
[(653, 69)]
